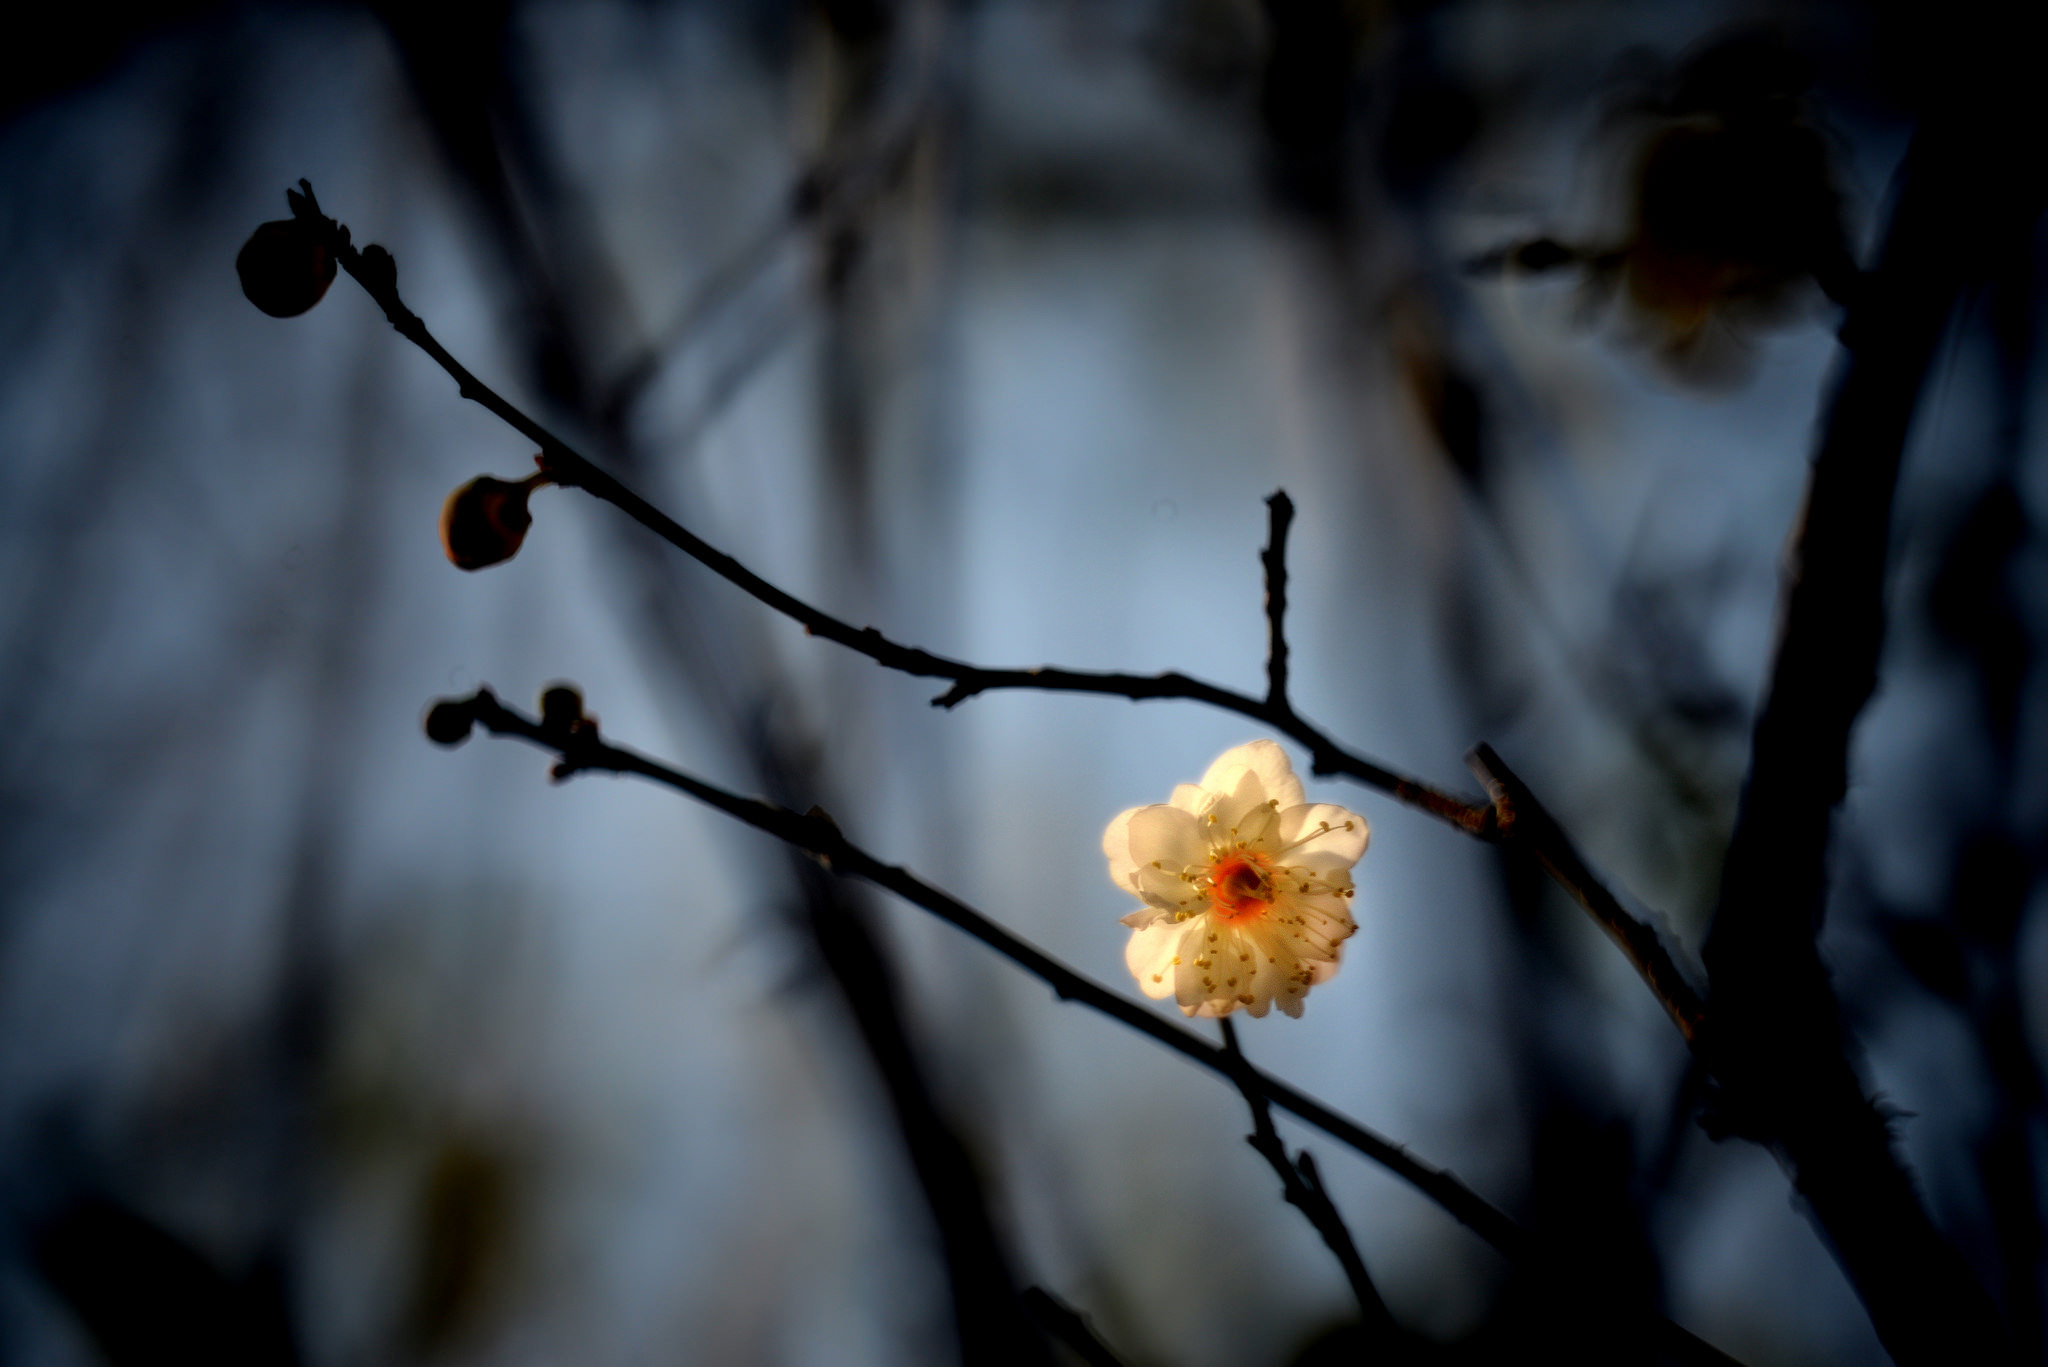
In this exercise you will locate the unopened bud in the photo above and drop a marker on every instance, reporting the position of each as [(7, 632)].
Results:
[(561, 707), (285, 267), (378, 272), (483, 522), (449, 721)]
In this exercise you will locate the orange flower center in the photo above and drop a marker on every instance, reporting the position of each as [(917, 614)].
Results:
[(1239, 889)]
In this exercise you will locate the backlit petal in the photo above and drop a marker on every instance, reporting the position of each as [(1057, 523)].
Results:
[(1268, 761), (1198, 977), (1170, 887), (1307, 844), (1167, 837), (1116, 847), (1149, 956)]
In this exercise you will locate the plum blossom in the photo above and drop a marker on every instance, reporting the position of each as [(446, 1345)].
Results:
[(1246, 886)]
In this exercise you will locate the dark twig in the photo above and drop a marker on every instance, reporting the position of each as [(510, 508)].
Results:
[(1304, 1189), (1280, 516), (575, 740), (377, 273), (1066, 1325), (1526, 822), (581, 750)]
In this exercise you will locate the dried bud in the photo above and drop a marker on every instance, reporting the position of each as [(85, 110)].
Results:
[(449, 721), (378, 272), (561, 707), (285, 267), (483, 522)]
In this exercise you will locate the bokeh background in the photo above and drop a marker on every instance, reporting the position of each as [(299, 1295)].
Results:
[(992, 324)]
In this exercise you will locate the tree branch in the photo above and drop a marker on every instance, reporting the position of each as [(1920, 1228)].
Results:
[(1777, 1046), (574, 738), (377, 273), (1280, 516), (374, 269), (1527, 822), (1304, 1190)]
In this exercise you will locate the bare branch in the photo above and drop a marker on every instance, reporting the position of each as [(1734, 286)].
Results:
[(1280, 509), (575, 740), (563, 465), (1526, 822), (1304, 1191), (374, 269)]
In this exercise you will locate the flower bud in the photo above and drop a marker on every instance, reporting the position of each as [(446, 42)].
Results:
[(379, 273), (449, 721), (483, 522), (561, 707), (285, 267)]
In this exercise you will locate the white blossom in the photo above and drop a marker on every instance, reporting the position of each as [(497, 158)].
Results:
[(1246, 886)]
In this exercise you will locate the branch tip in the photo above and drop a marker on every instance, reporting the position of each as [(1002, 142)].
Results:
[(1280, 515)]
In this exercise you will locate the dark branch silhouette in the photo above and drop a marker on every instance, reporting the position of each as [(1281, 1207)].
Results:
[(373, 268), (1280, 513), (1303, 1187), (1527, 822), (1513, 815), (1777, 1045), (574, 739)]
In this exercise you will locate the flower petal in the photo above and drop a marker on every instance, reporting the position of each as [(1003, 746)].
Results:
[(1158, 836), (1220, 971), (1165, 837), (1172, 888), (1322, 836), (1197, 982), (1263, 758), (1149, 956), (1311, 931), (1248, 973), (1116, 846), (1229, 813), (1257, 825)]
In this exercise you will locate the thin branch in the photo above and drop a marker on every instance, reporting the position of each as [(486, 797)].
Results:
[(374, 269), (575, 740), (1527, 822), (581, 750), (1304, 1190), (377, 273), (1280, 516)]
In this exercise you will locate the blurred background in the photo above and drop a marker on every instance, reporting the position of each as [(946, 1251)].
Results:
[(991, 324)]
